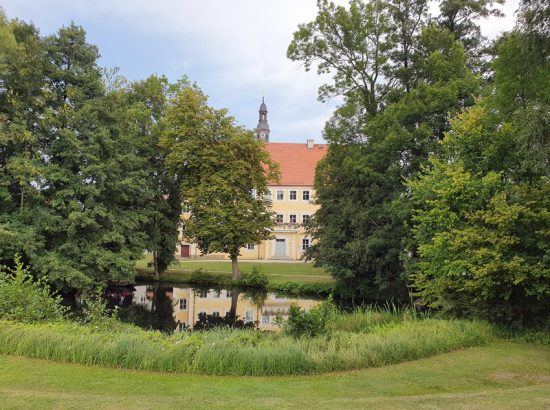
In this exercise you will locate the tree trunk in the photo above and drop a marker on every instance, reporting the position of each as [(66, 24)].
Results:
[(233, 311), (235, 268), (156, 265)]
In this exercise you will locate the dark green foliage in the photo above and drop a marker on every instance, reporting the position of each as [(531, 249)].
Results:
[(361, 226), (461, 17), (83, 188), (162, 209), (24, 299), (482, 217)]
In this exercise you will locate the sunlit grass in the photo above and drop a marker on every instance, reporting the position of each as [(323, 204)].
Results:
[(496, 376)]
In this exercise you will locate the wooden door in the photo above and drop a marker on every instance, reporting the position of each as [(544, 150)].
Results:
[(185, 251)]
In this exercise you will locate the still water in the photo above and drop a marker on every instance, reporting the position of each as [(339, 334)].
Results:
[(175, 308)]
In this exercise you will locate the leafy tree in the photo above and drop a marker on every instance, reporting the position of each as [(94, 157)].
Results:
[(224, 173), (351, 44), (461, 17), (482, 233), (21, 66), (361, 228), (481, 214), (72, 180), (162, 209), (408, 17)]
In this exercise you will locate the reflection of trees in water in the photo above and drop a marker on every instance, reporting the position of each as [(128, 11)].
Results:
[(231, 319), (258, 297), (210, 322), (159, 317)]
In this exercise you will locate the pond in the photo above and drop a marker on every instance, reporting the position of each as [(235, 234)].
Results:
[(183, 307)]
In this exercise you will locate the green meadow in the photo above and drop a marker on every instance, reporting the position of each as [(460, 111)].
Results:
[(501, 375)]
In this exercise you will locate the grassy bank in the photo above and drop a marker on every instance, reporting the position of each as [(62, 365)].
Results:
[(376, 342), (293, 278), (497, 376), (278, 273)]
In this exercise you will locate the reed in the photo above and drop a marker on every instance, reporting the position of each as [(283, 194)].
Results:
[(375, 341)]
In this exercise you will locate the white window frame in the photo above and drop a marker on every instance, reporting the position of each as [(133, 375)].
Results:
[(183, 306), (308, 216), (290, 195), (290, 218), (306, 243), (282, 218), (282, 192), (250, 246), (308, 195)]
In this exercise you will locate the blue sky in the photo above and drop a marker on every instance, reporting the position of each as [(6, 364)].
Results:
[(235, 50)]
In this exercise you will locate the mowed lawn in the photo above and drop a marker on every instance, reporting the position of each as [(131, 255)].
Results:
[(499, 376), (276, 272)]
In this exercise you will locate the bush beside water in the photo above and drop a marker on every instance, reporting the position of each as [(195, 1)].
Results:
[(26, 300)]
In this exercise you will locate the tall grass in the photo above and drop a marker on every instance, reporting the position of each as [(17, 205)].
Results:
[(374, 340)]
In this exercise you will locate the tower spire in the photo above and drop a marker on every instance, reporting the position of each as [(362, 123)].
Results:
[(262, 129)]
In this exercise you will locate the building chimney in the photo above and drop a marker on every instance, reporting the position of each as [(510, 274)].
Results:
[(310, 143)]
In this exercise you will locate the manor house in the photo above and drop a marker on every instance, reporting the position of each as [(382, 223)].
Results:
[(291, 199)]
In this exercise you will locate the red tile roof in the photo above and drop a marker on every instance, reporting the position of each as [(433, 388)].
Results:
[(296, 162)]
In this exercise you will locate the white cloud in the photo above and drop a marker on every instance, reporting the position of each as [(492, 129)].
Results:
[(233, 49)]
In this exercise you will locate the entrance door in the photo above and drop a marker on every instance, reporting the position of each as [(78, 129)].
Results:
[(280, 247), (185, 251)]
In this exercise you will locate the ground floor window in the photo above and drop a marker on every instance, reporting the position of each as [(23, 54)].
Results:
[(305, 244), (183, 304), (250, 247)]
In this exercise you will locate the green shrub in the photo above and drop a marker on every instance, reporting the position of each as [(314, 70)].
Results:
[(309, 323), (26, 300), (95, 312), (254, 279), (295, 288)]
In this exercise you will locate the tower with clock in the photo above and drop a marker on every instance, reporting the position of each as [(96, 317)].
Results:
[(262, 129)]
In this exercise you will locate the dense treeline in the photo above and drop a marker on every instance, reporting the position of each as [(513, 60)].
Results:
[(436, 181), (83, 189), (94, 169)]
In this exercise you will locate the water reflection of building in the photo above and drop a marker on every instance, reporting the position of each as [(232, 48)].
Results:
[(190, 305)]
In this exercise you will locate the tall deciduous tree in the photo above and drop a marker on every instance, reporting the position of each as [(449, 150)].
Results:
[(481, 209), (461, 18), (224, 173), (73, 180), (361, 226), (162, 209), (352, 44), (21, 103)]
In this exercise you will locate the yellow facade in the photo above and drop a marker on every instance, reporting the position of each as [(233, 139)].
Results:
[(189, 304), (291, 204)]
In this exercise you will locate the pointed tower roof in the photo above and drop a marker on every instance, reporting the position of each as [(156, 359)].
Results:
[(263, 107)]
